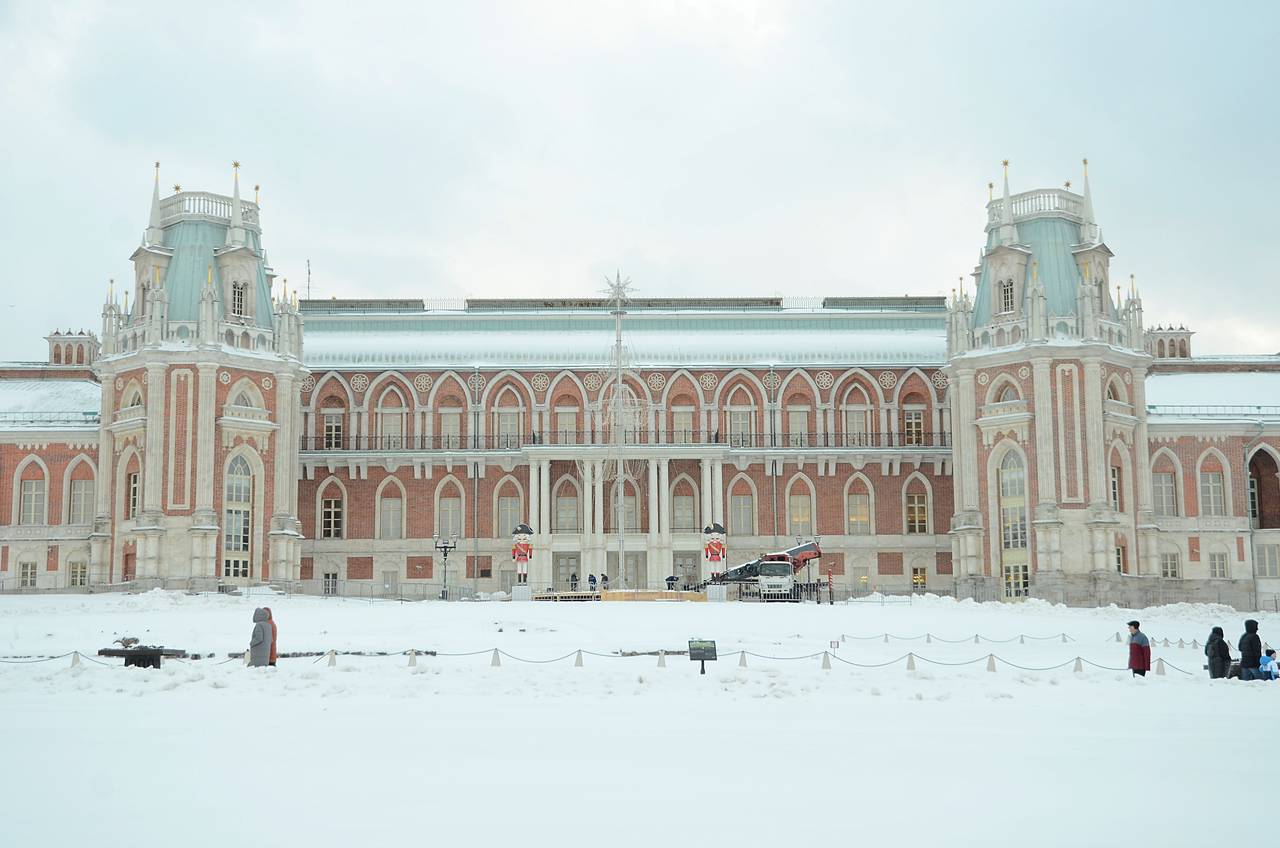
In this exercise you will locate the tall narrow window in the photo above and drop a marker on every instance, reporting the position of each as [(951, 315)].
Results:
[(32, 507), (1164, 493), (1212, 499), (567, 511), (1268, 560), (859, 514), (333, 431), (856, 426), (1115, 488), (331, 518), (131, 495), (78, 573), (451, 429), (81, 508), (391, 514), (566, 426), (27, 575), (239, 299), (740, 427), (918, 513), (1253, 502), (800, 513), (449, 519), (508, 429), (391, 415), (742, 515), (508, 515), (913, 427), (631, 513), (682, 513), (682, 426), (1006, 296), (1014, 559), (798, 427), (237, 509), (1218, 565)]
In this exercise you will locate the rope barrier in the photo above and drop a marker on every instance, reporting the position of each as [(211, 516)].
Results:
[(869, 665), (767, 657), (534, 662), (976, 637), (1032, 668), (37, 659)]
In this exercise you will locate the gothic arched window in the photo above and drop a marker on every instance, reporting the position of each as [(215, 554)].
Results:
[(1006, 296), (238, 509)]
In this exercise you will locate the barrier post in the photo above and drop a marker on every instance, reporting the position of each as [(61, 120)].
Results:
[(662, 659), (991, 662), (413, 657), (911, 662), (1118, 639), (742, 659), (495, 662), (577, 660), (1022, 639), (826, 661), (333, 658), (1079, 666), (975, 638), (75, 659), (928, 638), (1160, 667)]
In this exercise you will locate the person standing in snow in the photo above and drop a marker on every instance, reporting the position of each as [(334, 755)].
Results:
[(573, 582), (591, 582), (1250, 652), (604, 582), (1218, 654), (1270, 670), (271, 619), (1139, 651), (260, 641)]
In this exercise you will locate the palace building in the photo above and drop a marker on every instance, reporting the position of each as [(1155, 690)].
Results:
[(1027, 436)]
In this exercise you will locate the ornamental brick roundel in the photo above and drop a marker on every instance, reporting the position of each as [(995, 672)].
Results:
[(224, 377), (422, 382), (940, 380), (267, 383), (540, 382), (888, 379), (309, 383), (772, 380), (476, 382), (1024, 372), (984, 378), (593, 382), (657, 380), (708, 381), (825, 380), (359, 382)]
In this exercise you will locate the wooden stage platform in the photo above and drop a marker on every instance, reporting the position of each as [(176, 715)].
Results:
[(619, 595)]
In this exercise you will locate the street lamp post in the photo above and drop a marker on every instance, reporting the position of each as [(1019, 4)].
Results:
[(444, 545)]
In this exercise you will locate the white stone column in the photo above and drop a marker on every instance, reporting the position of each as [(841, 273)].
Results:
[(653, 502), (544, 497), (205, 449), (597, 543), (664, 498), (1097, 455), (104, 523), (1046, 479), (717, 492), (588, 500), (154, 465), (707, 512), (533, 497)]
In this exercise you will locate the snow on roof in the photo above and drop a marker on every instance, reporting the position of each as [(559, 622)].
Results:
[(40, 403), (591, 348), (1237, 392)]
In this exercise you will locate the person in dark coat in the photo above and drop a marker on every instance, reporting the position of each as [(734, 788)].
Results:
[(260, 641), (1250, 652), (1218, 654), (591, 582), (573, 582), (271, 619), (604, 582), (1139, 651), (671, 583)]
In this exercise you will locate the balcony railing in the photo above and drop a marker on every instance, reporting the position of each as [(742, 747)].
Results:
[(512, 442), (53, 419)]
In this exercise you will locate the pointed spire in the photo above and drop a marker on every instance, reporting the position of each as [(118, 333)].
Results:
[(991, 192), (1008, 232), (155, 235), (1089, 233), (235, 231)]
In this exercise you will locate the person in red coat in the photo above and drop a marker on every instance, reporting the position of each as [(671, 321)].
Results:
[(271, 619), (1139, 651)]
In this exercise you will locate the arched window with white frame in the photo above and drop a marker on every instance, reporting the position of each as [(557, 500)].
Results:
[(391, 419), (391, 513), (800, 518), (1014, 556), (742, 508), (856, 415), (237, 506)]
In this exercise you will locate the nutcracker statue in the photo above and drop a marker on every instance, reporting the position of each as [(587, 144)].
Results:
[(522, 551), (713, 548)]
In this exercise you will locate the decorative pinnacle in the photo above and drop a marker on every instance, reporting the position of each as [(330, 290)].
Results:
[(1086, 166), (177, 187), (157, 169), (1067, 184), (991, 189), (235, 165), (1005, 163)]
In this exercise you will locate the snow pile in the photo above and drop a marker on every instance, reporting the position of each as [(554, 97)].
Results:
[(619, 750)]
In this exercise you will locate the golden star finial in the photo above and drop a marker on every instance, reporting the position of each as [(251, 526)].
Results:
[(1005, 163), (1067, 184), (177, 188), (236, 165)]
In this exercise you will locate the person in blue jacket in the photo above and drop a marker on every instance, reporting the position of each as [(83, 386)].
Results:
[(1268, 667)]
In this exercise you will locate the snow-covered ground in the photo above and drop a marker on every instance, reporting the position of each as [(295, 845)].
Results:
[(619, 751)]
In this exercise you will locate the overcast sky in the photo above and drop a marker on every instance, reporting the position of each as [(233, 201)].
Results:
[(735, 148)]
